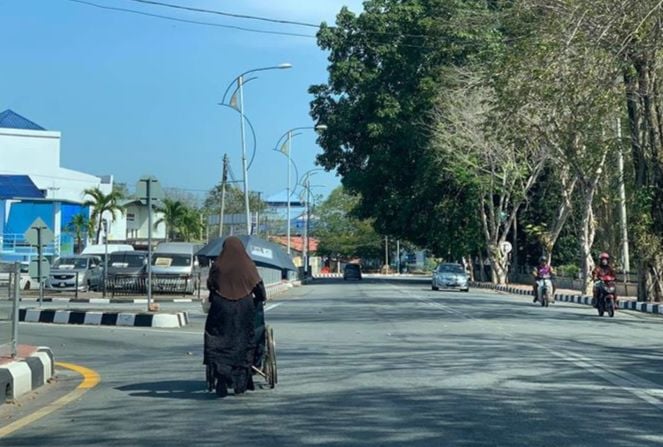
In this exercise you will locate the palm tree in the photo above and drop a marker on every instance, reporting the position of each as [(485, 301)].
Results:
[(192, 225), (79, 225), (174, 212), (102, 203)]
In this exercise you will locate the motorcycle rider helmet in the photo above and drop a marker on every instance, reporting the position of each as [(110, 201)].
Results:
[(604, 259), (543, 260)]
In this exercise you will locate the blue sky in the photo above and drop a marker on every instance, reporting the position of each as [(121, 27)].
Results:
[(135, 95)]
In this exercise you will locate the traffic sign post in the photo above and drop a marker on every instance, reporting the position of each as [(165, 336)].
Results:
[(39, 235), (148, 190)]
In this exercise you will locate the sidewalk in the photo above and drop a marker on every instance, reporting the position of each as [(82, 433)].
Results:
[(33, 367), (573, 296)]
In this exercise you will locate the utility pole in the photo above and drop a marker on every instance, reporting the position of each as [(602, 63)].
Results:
[(626, 262), (224, 180)]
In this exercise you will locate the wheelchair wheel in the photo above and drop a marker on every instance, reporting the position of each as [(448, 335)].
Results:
[(269, 367)]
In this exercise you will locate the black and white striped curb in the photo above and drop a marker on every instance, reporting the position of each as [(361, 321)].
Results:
[(110, 300), (18, 378), (651, 308), (100, 318), (272, 290)]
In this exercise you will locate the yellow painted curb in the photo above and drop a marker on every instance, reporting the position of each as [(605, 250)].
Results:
[(90, 380)]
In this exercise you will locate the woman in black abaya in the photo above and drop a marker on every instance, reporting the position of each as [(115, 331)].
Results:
[(230, 344)]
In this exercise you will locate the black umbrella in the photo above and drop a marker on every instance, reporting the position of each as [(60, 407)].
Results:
[(262, 252)]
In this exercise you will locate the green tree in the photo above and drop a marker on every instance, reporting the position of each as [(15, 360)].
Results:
[(173, 213), (79, 225), (342, 234), (386, 68), (102, 203), (192, 225), (234, 203)]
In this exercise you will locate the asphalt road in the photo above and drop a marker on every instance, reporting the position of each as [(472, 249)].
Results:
[(374, 363)]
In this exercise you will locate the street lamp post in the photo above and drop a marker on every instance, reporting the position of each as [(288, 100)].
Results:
[(105, 224), (307, 216), (245, 175), (287, 152)]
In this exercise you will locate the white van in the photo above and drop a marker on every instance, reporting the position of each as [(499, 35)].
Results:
[(100, 249), (175, 267)]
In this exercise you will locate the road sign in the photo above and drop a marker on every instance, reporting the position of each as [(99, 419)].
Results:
[(34, 269), (506, 247), (33, 237), (155, 190)]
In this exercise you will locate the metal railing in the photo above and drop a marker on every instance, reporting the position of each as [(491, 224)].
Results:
[(10, 296), (162, 284), (14, 244)]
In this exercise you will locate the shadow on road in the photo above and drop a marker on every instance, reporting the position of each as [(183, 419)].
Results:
[(170, 389)]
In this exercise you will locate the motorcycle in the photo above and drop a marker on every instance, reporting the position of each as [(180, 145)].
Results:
[(544, 291), (606, 301)]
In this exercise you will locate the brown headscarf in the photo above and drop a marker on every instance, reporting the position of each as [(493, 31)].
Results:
[(233, 275)]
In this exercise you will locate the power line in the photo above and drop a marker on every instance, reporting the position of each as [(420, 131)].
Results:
[(226, 14), (193, 22), (245, 16)]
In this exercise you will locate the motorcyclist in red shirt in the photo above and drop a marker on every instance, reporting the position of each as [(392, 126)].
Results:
[(601, 272)]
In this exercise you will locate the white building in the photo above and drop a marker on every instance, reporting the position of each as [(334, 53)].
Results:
[(132, 226), (34, 184)]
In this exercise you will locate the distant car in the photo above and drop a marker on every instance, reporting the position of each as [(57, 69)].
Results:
[(127, 271), (25, 283), (76, 272), (352, 271), (450, 276)]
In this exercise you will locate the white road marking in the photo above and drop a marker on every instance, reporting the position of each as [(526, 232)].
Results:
[(646, 390), (272, 306), (639, 387)]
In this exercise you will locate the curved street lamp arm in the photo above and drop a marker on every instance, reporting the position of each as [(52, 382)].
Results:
[(253, 132), (225, 93), (278, 142), (236, 79), (296, 170)]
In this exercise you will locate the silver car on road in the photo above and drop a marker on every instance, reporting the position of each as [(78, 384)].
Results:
[(450, 276)]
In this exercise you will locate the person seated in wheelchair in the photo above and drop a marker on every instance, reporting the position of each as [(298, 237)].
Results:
[(237, 294)]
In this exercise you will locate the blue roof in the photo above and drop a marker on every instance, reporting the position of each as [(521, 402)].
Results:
[(18, 187), (12, 120)]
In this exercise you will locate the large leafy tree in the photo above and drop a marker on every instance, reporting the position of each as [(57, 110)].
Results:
[(341, 234), (102, 203), (234, 202), (386, 68)]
